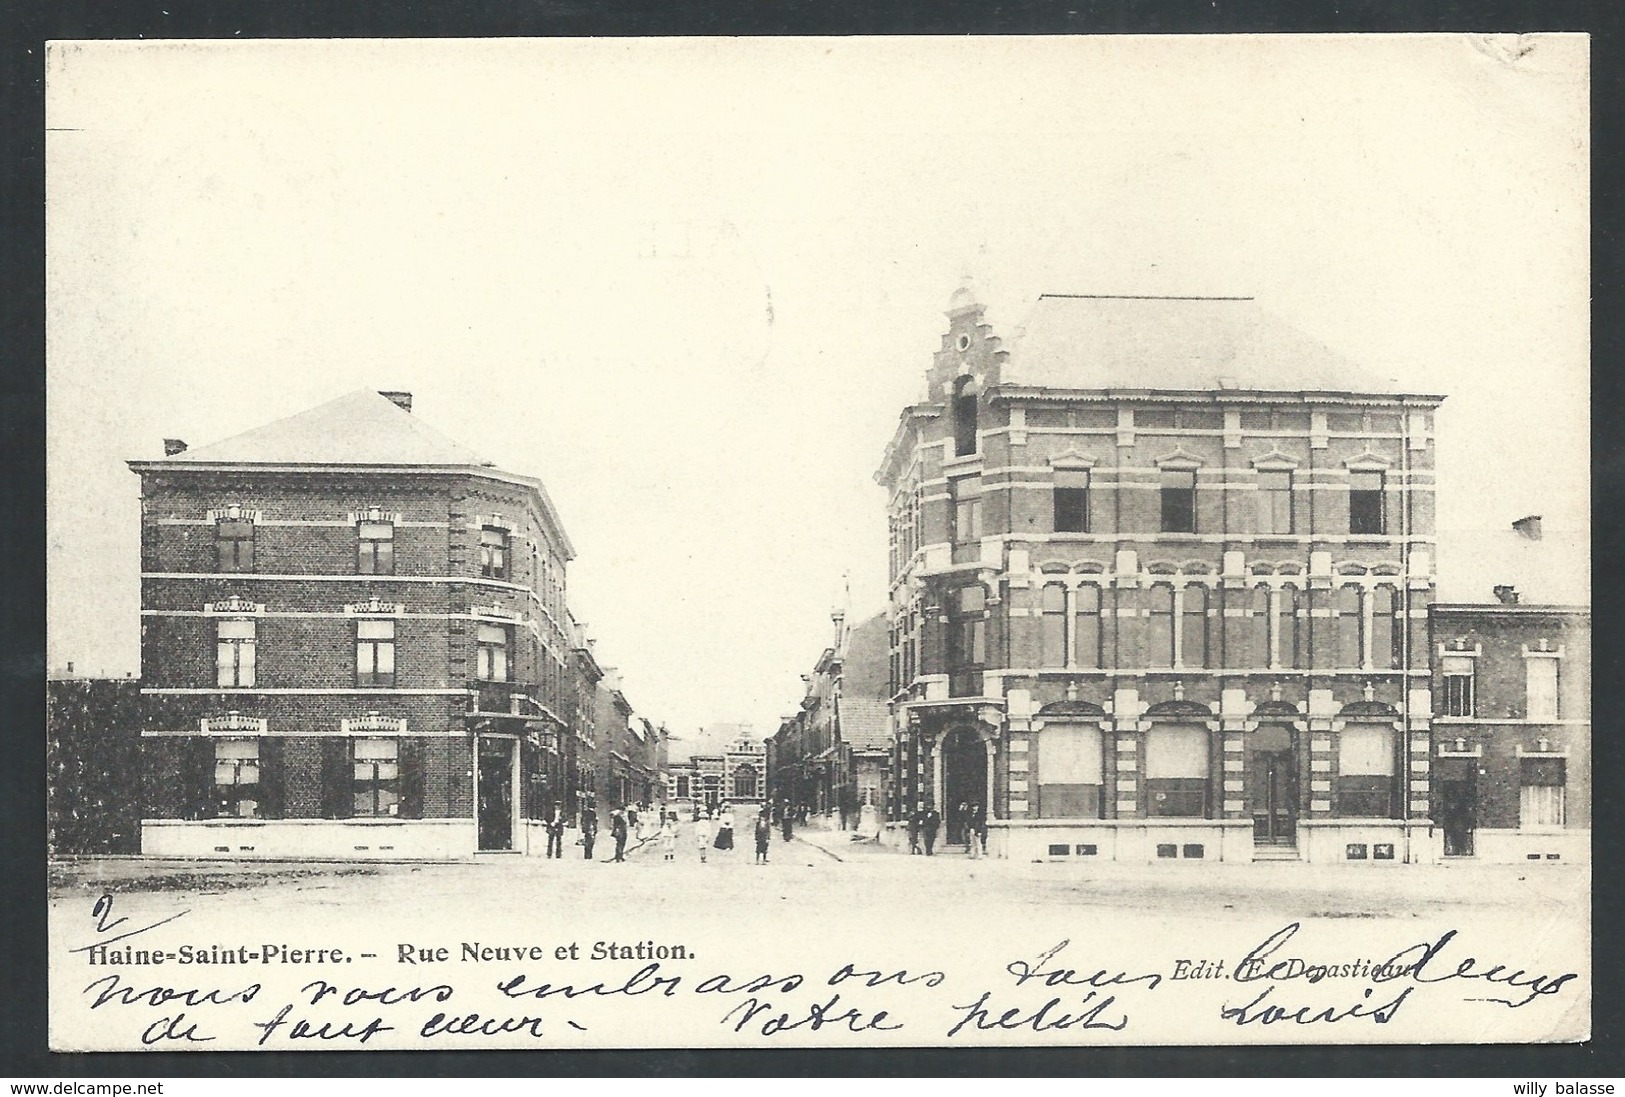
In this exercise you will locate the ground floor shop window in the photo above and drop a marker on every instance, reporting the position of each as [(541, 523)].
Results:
[(1177, 771), (1366, 768), (237, 778), (1071, 772), (377, 777), (1540, 792)]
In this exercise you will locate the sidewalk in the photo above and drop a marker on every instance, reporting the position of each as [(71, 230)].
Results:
[(842, 845)]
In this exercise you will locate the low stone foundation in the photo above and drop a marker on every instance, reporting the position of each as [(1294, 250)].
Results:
[(325, 839)]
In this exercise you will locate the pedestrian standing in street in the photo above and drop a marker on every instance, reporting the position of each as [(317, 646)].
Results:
[(787, 821), (973, 832), (668, 837), (914, 829), (933, 820), (589, 830), (617, 830), (555, 832), (702, 835), (764, 835), (725, 829)]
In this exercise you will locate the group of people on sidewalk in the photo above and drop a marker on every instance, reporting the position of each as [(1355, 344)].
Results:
[(969, 819)]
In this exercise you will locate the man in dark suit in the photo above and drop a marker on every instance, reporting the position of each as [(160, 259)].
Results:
[(555, 832), (933, 820), (589, 830)]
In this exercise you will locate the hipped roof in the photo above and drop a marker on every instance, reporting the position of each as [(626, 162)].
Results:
[(1178, 344)]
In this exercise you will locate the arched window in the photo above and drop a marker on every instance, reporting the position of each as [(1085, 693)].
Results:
[(1087, 633), (1193, 627), (1176, 770), (1071, 771), (1348, 627), (964, 417), (1288, 645), (1159, 626), (1387, 636), (745, 782), (1256, 651), (1052, 633)]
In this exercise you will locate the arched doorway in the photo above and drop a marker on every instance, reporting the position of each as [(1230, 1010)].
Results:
[(964, 779)]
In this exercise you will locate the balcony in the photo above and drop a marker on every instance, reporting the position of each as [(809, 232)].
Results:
[(516, 700)]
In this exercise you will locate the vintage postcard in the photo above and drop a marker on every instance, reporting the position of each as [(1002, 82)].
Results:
[(721, 543)]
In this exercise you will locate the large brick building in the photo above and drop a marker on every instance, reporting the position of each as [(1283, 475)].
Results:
[(1160, 570), (354, 643)]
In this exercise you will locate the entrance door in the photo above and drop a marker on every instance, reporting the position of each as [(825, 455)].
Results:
[(495, 807), (1458, 807), (964, 780), (1272, 785)]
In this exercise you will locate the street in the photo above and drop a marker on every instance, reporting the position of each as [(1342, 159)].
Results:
[(932, 943)]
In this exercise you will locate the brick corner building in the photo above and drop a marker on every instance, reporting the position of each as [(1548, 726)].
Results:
[(354, 644), (1160, 570)]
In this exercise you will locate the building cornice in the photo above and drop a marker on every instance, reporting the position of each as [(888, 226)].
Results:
[(545, 508)]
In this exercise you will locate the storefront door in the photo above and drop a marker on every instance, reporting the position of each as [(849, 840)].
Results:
[(1272, 785), (964, 780), (495, 799), (1457, 785)]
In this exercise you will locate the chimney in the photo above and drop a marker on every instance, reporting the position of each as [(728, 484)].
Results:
[(402, 400), (172, 446), (1507, 595), (1528, 527)]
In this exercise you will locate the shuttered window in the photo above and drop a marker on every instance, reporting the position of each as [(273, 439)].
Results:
[(1366, 771), (1070, 771), (1177, 770)]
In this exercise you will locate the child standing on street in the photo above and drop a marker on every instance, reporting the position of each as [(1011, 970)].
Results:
[(702, 835), (668, 838), (764, 835)]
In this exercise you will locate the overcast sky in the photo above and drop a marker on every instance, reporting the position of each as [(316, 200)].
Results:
[(691, 283)]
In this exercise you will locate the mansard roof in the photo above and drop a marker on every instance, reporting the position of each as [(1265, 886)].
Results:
[(1180, 344)]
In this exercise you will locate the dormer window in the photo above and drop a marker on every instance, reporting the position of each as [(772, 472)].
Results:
[(965, 417)]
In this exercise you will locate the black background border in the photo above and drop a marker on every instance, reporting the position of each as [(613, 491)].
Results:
[(24, 29)]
